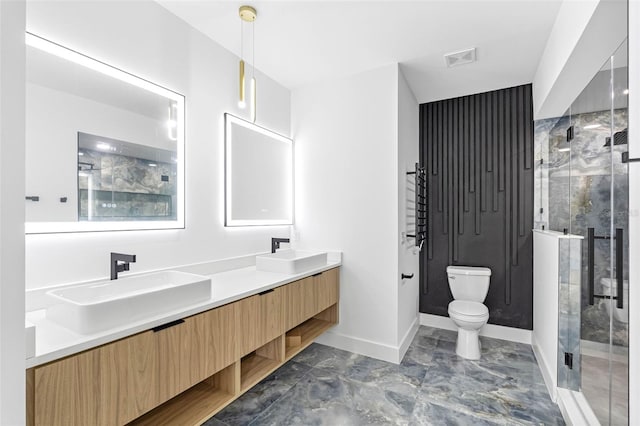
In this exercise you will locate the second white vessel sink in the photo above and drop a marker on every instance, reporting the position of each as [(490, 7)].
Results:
[(290, 261), (93, 307)]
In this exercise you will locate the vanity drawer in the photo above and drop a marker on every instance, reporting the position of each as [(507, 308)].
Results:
[(298, 302), (307, 297), (326, 288), (259, 320), (125, 379), (115, 381)]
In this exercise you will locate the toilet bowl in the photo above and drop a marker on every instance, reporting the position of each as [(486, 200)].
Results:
[(469, 317), (469, 287), (619, 314)]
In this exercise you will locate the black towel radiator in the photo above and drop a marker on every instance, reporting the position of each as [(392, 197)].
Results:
[(421, 207)]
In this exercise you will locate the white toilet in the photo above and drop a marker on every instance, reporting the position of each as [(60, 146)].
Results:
[(469, 286)]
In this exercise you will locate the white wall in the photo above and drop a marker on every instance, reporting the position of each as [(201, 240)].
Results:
[(545, 305), (581, 40), (408, 289), (52, 145), (12, 336), (634, 211), (145, 39), (346, 158)]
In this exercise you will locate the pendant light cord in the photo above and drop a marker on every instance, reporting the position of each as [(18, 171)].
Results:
[(253, 69)]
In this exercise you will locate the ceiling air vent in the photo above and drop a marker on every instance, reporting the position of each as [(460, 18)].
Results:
[(462, 57)]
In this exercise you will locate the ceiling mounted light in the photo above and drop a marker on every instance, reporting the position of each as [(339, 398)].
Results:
[(247, 14), (592, 126), (460, 58)]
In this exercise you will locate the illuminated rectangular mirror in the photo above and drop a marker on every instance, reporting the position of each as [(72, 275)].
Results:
[(258, 175), (104, 148)]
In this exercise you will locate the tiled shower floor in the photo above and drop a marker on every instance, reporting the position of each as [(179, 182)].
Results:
[(432, 386)]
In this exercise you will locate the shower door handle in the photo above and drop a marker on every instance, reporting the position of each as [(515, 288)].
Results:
[(619, 269), (590, 263)]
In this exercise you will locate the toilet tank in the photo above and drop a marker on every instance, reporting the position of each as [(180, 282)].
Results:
[(469, 282)]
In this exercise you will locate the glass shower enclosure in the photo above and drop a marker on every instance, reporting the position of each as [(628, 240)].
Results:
[(582, 189)]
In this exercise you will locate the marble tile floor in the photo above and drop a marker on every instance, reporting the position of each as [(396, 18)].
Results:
[(432, 386), (595, 387)]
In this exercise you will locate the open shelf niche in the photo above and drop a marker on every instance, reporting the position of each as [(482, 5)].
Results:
[(298, 338), (260, 363), (197, 404)]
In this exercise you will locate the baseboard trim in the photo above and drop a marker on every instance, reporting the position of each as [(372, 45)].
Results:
[(575, 409), (546, 371), (489, 330), (408, 338), (360, 346), (381, 351)]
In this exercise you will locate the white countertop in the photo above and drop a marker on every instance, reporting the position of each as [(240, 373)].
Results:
[(54, 341)]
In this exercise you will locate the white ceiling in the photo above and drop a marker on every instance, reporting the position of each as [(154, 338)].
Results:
[(300, 42)]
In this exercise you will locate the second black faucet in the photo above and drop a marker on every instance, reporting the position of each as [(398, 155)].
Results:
[(275, 243), (120, 262)]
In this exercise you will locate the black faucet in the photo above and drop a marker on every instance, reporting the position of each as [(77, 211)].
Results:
[(117, 266), (275, 243)]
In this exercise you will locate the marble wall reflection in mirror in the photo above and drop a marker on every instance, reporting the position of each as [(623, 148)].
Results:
[(104, 148), (258, 175)]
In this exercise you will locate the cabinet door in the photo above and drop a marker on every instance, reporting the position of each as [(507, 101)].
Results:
[(128, 382), (326, 289), (299, 302), (307, 297), (111, 384), (213, 342), (173, 348), (259, 320), (67, 393), (120, 381)]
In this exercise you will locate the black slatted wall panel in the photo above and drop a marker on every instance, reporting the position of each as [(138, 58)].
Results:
[(478, 151)]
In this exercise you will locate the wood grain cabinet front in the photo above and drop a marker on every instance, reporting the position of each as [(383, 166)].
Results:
[(259, 320), (115, 382), (120, 381), (307, 297), (202, 362), (326, 287)]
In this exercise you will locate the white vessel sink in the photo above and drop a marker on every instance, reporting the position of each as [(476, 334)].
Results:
[(290, 261), (89, 308)]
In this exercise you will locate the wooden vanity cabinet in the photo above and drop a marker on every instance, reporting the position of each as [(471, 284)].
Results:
[(183, 372), (325, 292), (125, 379), (306, 298), (259, 320), (115, 381)]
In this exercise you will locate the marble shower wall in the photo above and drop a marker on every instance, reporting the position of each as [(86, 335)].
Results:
[(569, 289), (123, 187), (573, 192)]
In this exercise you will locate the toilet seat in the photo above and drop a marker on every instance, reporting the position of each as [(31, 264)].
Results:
[(467, 307)]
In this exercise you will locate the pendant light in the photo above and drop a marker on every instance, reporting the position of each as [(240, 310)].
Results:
[(247, 14)]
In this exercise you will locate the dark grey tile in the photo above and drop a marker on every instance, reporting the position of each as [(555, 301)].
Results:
[(432, 385), (427, 413), (404, 379), (288, 374), (261, 396), (418, 355), (490, 394), (437, 333), (326, 398), (214, 422), (328, 358)]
